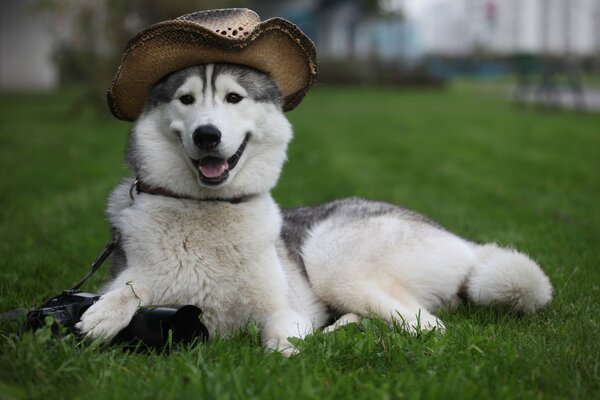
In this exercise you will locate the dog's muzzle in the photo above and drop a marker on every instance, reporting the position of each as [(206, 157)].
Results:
[(215, 170)]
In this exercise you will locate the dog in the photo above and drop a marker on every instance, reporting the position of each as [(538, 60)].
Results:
[(210, 146)]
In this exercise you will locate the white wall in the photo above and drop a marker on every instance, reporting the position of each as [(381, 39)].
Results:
[(26, 47), (461, 26)]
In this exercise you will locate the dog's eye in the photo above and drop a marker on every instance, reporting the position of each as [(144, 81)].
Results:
[(186, 99), (233, 98)]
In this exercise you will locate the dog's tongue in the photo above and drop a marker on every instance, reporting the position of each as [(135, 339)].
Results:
[(213, 167)]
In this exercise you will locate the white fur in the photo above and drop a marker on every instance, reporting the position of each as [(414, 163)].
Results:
[(105, 318), (156, 136), (508, 278), (342, 321), (229, 259)]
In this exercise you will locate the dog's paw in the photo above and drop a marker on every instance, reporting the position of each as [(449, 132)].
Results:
[(108, 316), (281, 326), (282, 346), (419, 323), (344, 320), (423, 322)]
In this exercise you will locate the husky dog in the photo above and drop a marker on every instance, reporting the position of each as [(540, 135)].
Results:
[(203, 229)]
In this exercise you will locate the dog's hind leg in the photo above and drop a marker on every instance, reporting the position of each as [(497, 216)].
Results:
[(396, 306), (382, 297), (342, 321), (380, 266)]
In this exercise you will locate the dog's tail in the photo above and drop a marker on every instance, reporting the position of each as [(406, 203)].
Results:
[(509, 278)]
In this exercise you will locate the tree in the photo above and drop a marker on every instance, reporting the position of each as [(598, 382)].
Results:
[(92, 35)]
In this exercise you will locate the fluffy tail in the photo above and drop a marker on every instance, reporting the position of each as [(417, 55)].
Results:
[(509, 278)]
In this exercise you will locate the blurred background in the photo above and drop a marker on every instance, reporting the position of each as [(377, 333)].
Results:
[(544, 51)]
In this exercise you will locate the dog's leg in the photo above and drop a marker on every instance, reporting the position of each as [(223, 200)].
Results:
[(113, 311), (402, 309), (344, 320), (277, 318), (282, 325), (383, 297)]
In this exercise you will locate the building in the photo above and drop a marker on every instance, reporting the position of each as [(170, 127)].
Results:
[(346, 29), (342, 30), (503, 27)]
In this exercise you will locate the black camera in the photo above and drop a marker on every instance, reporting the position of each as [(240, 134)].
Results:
[(154, 326)]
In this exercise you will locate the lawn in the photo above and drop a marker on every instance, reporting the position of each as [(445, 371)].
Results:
[(473, 162)]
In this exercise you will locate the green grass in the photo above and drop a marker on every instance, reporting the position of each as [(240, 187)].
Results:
[(475, 164)]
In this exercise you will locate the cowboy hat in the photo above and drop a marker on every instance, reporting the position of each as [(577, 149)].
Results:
[(275, 46)]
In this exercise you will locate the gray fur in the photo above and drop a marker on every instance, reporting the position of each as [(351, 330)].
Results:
[(164, 90), (130, 153), (260, 86), (119, 200), (298, 221), (118, 261)]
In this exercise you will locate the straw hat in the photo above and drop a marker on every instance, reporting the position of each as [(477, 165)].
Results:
[(235, 35)]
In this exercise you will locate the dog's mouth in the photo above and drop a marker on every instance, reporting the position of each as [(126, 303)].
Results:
[(215, 170)]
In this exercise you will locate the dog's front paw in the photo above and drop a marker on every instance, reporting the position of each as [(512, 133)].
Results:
[(281, 345), (344, 320), (281, 326), (423, 322), (108, 316)]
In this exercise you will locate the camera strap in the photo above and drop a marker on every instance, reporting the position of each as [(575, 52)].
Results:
[(14, 314), (107, 251), (139, 187)]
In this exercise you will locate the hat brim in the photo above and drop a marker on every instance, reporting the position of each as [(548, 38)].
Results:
[(276, 47)]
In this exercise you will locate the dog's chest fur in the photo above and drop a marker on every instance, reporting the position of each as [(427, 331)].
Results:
[(211, 254)]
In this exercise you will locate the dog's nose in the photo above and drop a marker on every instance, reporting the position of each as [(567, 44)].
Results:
[(207, 137)]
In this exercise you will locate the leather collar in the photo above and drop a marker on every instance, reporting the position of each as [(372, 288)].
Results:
[(141, 187)]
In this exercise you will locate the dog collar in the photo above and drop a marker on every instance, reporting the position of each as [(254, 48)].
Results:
[(141, 187)]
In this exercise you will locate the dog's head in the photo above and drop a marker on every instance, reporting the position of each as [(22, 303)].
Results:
[(214, 130)]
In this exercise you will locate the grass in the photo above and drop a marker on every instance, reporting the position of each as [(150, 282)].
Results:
[(475, 164)]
